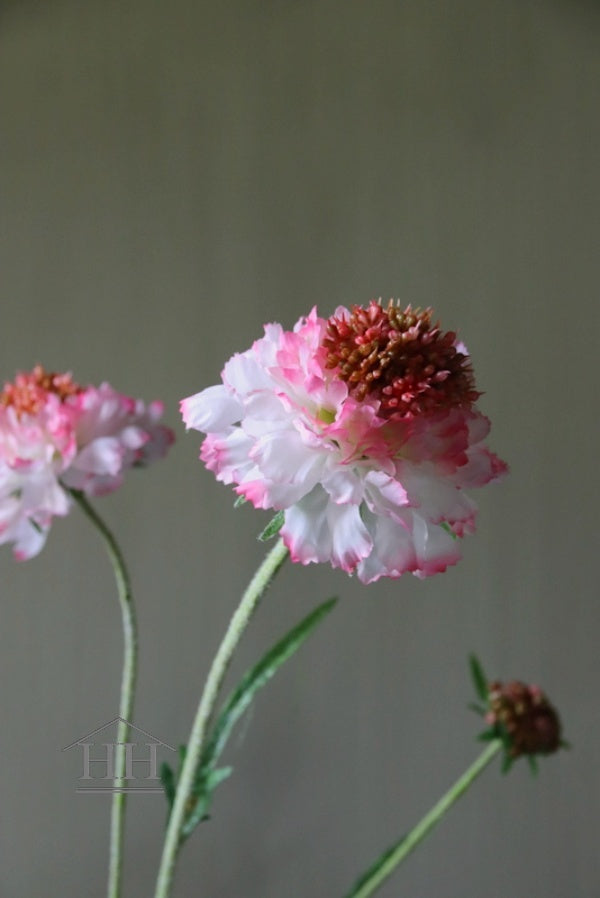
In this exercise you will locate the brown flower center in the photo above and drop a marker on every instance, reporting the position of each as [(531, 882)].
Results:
[(28, 392), (401, 358)]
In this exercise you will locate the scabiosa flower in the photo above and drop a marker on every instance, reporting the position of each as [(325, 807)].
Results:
[(56, 435), (517, 714), (362, 429), (524, 718)]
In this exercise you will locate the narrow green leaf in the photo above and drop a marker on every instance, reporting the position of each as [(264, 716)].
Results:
[(207, 785), (272, 528), (239, 501), (217, 776), (208, 776), (258, 676), (507, 763), (473, 706), (373, 870), (479, 678), (167, 779)]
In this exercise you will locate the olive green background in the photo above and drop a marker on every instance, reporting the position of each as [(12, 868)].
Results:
[(171, 177)]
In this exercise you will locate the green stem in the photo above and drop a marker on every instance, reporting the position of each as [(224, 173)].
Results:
[(222, 660), (128, 677), (385, 866)]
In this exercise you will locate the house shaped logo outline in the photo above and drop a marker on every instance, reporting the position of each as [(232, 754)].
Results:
[(82, 740)]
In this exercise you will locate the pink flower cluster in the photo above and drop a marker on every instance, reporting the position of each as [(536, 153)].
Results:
[(56, 436), (363, 429)]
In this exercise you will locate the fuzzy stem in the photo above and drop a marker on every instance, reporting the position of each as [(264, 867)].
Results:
[(128, 677), (370, 882), (237, 625)]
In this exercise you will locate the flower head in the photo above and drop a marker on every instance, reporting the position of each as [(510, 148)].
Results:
[(524, 718), (56, 435), (363, 429), (517, 714)]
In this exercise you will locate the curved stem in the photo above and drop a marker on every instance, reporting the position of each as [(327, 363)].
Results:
[(222, 660), (385, 866), (128, 677)]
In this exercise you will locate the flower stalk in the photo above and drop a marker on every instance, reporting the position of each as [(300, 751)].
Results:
[(128, 678), (237, 625), (385, 866)]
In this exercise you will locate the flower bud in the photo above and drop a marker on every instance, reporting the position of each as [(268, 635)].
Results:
[(528, 722)]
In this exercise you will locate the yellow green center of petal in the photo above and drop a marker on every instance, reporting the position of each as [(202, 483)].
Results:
[(326, 415)]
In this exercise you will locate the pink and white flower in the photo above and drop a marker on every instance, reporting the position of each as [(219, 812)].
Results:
[(56, 436), (362, 429), (113, 432)]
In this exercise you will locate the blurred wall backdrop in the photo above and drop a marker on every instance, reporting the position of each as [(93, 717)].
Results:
[(173, 176)]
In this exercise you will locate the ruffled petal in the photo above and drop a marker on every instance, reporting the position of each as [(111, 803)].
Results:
[(283, 457), (441, 438), (316, 530), (351, 539), (436, 548), (211, 410), (385, 495), (101, 456), (29, 539), (345, 486), (482, 467), (243, 374), (227, 455), (437, 498), (393, 552), (306, 530)]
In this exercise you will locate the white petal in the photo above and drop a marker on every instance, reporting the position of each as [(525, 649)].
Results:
[(316, 529), (29, 540), (282, 456), (351, 539), (227, 455), (101, 456), (345, 486), (384, 494), (211, 410), (264, 412), (436, 548), (133, 437), (436, 497), (393, 551), (306, 530), (243, 374)]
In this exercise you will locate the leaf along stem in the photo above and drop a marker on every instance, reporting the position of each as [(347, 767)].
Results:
[(237, 625)]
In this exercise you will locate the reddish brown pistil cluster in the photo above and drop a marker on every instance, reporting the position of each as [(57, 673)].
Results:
[(401, 358), (530, 722), (28, 392)]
